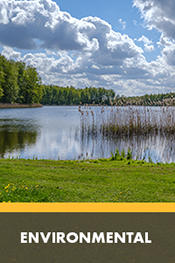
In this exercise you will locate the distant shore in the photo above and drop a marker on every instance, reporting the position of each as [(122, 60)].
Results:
[(17, 105)]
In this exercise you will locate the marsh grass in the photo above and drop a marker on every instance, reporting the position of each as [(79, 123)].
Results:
[(112, 122), (148, 131)]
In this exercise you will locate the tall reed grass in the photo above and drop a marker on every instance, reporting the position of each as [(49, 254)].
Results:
[(148, 131), (114, 122)]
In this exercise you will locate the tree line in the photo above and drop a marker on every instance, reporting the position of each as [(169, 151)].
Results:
[(19, 83), (22, 84), (167, 99), (72, 96)]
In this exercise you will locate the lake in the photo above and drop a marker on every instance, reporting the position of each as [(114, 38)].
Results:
[(62, 132)]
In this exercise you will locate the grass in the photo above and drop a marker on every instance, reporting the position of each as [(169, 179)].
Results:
[(117, 122), (102, 180)]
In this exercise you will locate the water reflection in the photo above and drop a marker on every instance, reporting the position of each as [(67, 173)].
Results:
[(148, 131), (156, 147), (15, 135), (45, 133), (56, 132)]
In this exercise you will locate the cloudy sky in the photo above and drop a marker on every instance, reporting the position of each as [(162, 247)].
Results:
[(126, 45)]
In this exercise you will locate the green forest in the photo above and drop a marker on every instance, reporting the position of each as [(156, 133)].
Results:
[(19, 83), (167, 99), (22, 84), (71, 96)]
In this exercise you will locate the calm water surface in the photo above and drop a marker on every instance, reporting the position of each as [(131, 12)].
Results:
[(53, 132)]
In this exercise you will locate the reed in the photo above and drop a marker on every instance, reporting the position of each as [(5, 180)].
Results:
[(114, 122)]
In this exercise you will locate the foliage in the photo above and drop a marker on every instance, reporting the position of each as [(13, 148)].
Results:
[(72, 96), (167, 99), (19, 83), (129, 154), (116, 155), (22, 84)]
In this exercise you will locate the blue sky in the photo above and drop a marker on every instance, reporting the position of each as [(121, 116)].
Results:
[(126, 45)]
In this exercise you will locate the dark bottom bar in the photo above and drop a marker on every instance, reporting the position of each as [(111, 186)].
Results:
[(160, 228)]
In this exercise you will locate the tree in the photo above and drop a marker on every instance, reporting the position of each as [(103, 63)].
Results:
[(2, 79), (33, 88), (10, 85)]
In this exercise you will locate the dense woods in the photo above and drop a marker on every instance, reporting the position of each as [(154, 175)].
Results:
[(167, 99), (71, 96), (22, 84), (19, 83)]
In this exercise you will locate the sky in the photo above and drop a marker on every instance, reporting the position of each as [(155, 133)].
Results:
[(128, 45)]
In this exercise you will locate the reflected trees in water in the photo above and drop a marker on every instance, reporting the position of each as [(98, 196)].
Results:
[(15, 135)]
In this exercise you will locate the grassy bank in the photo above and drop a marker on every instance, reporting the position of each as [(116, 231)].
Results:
[(103, 180), (17, 105)]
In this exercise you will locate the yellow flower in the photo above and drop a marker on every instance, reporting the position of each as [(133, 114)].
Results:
[(37, 186), (26, 188)]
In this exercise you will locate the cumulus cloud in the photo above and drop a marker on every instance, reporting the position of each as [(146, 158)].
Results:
[(83, 52), (21, 22), (168, 51), (147, 43), (9, 53), (158, 14)]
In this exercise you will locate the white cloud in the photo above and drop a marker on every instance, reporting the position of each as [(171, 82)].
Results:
[(3, 13), (158, 14), (123, 23), (149, 48), (9, 53), (86, 52), (21, 22), (147, 42), (135, 22)]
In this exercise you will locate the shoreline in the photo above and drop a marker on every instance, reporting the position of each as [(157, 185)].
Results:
[(17, 105), (38, 105)]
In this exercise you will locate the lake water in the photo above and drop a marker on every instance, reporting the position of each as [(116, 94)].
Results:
[(55, 132)]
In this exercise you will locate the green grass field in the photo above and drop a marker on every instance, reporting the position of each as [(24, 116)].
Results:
[(102, 180)]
